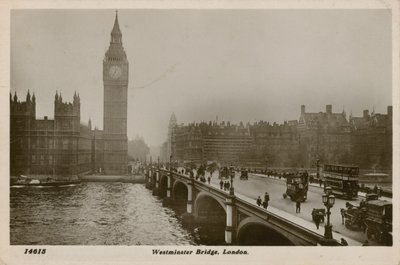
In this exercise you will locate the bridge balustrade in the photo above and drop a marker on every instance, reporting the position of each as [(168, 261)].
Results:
[(239, 212)]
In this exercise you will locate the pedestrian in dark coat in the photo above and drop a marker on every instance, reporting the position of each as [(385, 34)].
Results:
[(298, 204), (342, 213), (221, 184), (228, 185), (259, 201), (209, 179), (317, 220)]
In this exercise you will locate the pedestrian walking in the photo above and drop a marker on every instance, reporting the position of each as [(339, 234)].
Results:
[(298, 202), (228, 185), (225, 185), (209, 179), (317, 220), (259, 201), (342, 213), (320, 182), (266, 200), (221, 184)]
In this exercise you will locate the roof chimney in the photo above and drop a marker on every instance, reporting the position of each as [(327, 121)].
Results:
[(366, 114), (303, 109), (329, 109)]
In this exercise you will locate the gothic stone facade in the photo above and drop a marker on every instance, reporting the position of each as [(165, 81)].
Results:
[(65, 147), (59, 147)]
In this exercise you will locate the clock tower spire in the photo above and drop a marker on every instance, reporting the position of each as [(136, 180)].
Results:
[(115, 79)]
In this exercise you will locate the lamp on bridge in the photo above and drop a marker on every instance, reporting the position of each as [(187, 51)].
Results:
[(329, 200), (232, 190)]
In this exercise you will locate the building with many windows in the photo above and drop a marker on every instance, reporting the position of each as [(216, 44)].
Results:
[(325, 136), (372, 139)]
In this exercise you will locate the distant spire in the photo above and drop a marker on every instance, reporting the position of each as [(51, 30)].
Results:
[(10, 97), (76, 98), (56, 96), (33, 97), (15, 96), (172, 120), (116, 32), (28, 96)]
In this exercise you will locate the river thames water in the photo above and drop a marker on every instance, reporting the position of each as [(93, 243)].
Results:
[(94, 214)]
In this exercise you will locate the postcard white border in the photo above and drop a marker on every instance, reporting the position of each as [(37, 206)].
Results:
[(142, 254)]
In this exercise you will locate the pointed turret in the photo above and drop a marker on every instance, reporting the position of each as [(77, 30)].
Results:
[(76, 99), (56, 96), (15, 96), (28, 97), (90, 123), (115, 52), (172, 120), (33, 98), (11, 97), (116, 34)]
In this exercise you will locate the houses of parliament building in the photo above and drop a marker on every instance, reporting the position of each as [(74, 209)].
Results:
[(64, 146)]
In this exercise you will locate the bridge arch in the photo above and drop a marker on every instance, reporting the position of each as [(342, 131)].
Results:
[(210, 215), (203, 199), (163, 185), (179, 190), (253, 231)]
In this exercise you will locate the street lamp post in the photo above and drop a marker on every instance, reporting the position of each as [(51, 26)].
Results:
[(329, 200), (318, 169), (232, 190)]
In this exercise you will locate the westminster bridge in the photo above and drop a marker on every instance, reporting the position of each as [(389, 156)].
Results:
[(237, 215)]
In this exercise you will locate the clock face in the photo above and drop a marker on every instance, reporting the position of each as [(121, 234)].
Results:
[(115, 72)]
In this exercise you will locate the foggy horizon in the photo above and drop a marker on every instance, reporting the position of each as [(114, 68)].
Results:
[(239, 65)]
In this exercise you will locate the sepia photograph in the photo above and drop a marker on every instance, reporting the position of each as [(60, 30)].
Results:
[(201, 131)]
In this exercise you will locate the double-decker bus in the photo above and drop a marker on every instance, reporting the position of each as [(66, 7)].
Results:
[(297, 186), (342, 179)]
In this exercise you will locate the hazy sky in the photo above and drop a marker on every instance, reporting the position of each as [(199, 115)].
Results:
[(244, 65)]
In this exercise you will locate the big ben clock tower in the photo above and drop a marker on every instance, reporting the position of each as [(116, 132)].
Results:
[(115, 79)]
